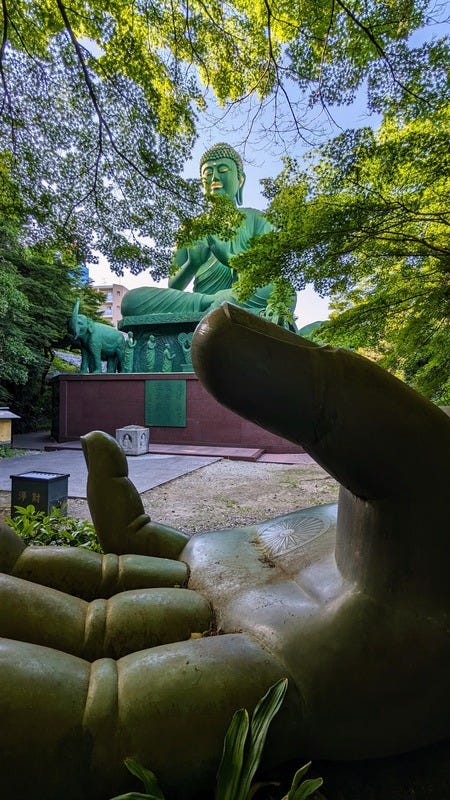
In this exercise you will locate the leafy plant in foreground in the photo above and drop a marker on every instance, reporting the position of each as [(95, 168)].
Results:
[(243, 745), (241, 756), (300, 789), (148, 778), (38, 528)]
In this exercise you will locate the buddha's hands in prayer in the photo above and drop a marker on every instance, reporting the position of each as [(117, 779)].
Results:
[(220, 249), (189, 260)]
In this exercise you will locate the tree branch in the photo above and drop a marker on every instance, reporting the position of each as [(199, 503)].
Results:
[(6, 94), (380, 50), (273, 60), (103, 124)]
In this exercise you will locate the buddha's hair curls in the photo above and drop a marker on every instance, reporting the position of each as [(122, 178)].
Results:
[(223, 150)]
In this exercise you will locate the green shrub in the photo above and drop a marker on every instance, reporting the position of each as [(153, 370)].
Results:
[(10, 452), (60, 365), (38, 528), (243, 745), (242, 752)]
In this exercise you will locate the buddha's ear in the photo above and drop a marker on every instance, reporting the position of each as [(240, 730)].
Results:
[(239, 195)]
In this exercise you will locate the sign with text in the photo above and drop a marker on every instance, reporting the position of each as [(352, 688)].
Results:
[(165, 403)]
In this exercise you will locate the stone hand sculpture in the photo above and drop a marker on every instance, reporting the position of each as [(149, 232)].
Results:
[(117, 511), (98, 342), (89, 575), (354, 613), (208, 262)]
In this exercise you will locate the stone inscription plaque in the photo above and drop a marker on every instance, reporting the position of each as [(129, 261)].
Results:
[(165, 404)]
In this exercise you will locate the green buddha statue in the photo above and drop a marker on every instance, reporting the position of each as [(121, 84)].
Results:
[(208, 262)]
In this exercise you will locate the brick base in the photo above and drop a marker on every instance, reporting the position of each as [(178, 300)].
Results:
[(82, 403)]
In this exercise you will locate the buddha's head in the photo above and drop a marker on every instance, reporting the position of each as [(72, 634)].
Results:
[(222, 172)]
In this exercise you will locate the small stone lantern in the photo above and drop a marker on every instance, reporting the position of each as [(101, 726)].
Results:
[(6, 416), (133, 439)]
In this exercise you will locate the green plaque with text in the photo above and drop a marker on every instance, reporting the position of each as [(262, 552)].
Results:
[(165, 404)]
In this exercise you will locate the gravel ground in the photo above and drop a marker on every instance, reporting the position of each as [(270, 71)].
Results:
[(226, 494)]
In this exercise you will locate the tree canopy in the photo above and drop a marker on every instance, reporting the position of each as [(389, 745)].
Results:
[(99, 99), (99, 112), (38, 287), (368, 223)]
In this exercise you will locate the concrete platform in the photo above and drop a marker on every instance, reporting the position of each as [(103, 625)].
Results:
[(285, 458), (43, 441), (203, 451), (145, 471), (233, 453)]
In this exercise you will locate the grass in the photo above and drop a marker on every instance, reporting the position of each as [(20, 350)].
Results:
[(11, 452)]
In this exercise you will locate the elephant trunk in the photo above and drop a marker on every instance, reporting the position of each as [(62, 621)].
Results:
[(72, 324)]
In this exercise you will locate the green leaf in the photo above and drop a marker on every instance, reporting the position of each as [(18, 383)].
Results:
[(147, 777), (297, 779), (231, 765), (263, 714), (134, 796), (306, 789)]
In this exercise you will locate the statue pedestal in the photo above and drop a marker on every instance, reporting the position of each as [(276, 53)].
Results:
[(83, 403), (163, 341), (133, 439)]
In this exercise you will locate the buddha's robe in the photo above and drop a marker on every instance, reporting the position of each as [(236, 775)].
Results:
[(213, 279)]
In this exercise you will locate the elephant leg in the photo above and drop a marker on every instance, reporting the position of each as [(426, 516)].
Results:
[(85, 365), (95, 357)]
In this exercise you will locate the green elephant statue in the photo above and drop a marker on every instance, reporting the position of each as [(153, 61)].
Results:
[(98, 342), (353, 607)]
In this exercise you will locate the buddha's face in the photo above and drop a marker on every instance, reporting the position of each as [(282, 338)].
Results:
[(220, 176)]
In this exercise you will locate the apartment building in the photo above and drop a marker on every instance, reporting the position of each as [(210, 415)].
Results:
[(111, 307)]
